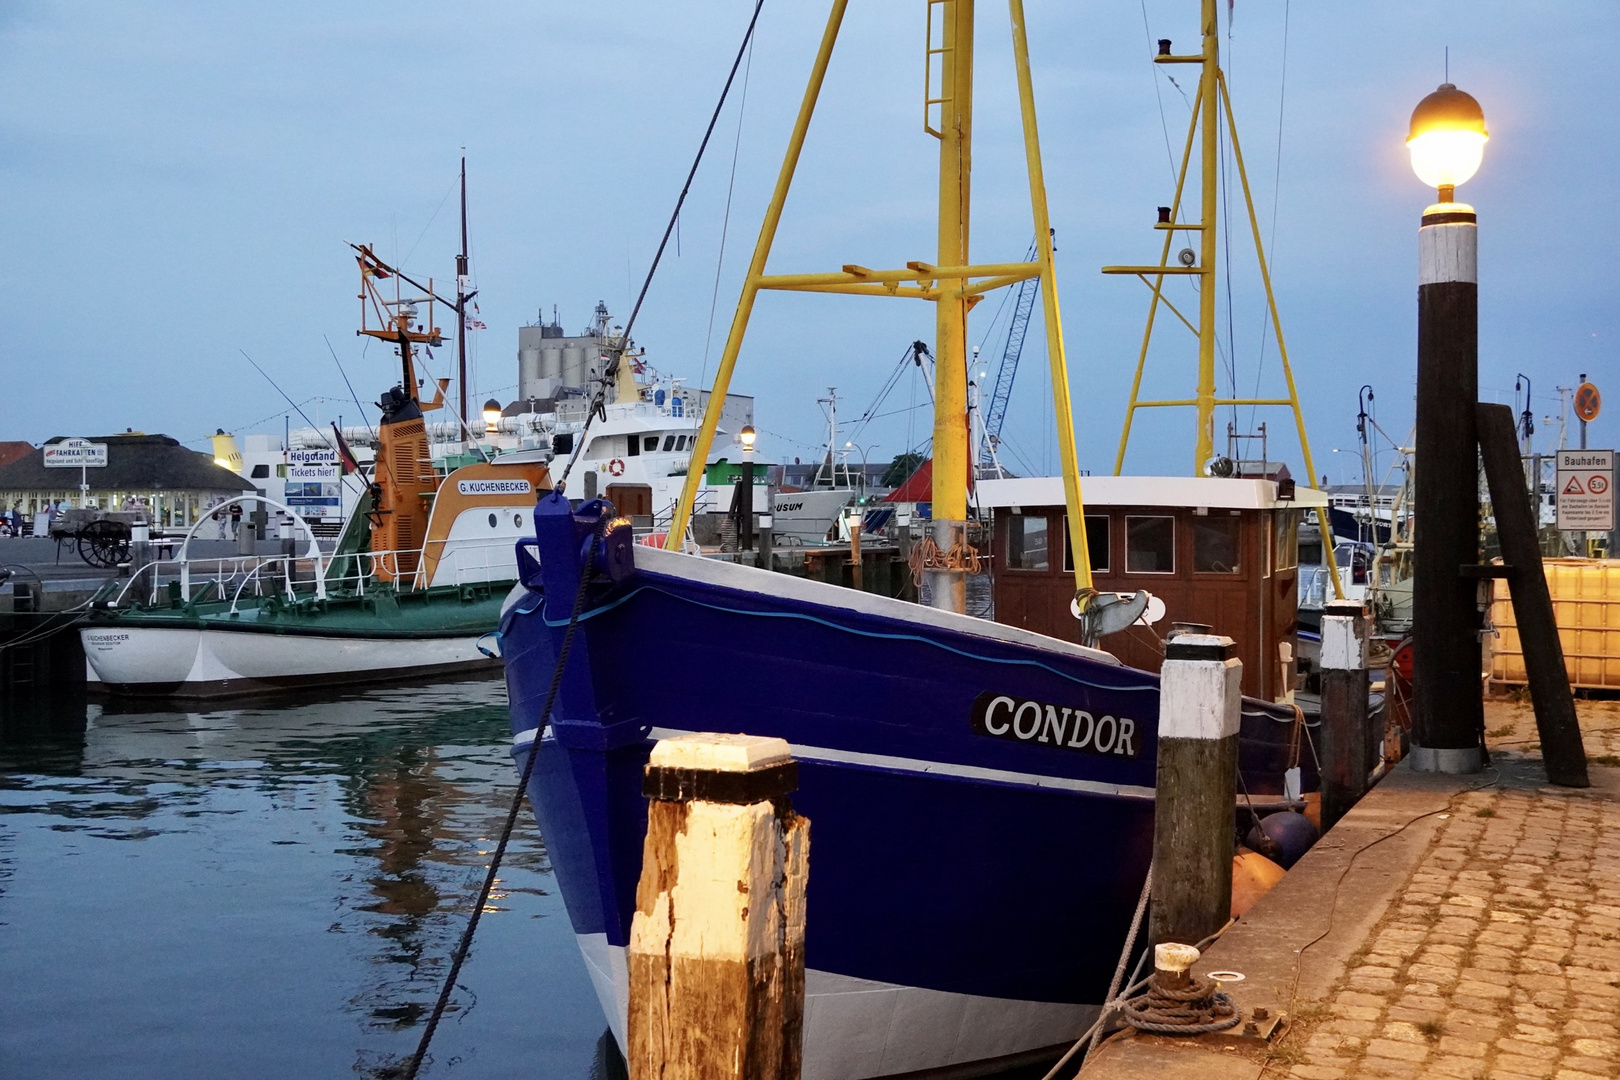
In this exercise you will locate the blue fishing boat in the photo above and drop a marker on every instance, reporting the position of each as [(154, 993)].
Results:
[(982, 795)]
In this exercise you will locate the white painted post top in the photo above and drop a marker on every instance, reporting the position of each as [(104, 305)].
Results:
[(1171, 956), (718, 752), (1200, 682), (1344, 643)]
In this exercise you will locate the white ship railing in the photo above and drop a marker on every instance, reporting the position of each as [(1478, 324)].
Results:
[(234, 577)]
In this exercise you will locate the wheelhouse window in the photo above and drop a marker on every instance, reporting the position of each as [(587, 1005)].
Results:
[(1215, 544), (1096, 545), (652, 443), (1150, 545), (634, 447), (669, 443), (1027, 542), (1287, 539)]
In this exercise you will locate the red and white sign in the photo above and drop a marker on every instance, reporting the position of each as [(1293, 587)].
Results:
[(1586, 490)]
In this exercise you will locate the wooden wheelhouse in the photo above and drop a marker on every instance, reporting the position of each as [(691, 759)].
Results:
[(1214, 551)]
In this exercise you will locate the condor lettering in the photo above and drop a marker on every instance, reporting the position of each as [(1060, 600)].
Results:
[(1064, 727)]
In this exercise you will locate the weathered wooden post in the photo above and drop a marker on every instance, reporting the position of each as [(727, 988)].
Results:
[(1343, 734), (1195, 811), (1562, 750), (855, 558), (717, 941)]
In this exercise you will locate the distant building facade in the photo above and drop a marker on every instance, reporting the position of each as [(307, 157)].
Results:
[(178, 485)]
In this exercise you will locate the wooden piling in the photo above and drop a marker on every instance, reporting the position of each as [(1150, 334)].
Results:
[(716, 951), (855, 550), (1195, 810), (1344, 738), (1561, 747)]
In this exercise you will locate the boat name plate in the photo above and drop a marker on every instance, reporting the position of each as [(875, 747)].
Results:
[(1002, 716)]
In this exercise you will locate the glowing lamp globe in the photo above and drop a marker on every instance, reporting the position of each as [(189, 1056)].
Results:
[(747, 436), (1447, 139), (492, 416)]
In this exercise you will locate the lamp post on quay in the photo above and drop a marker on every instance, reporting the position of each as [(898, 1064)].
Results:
[(864, 452), (1447, 142), (745, 494)]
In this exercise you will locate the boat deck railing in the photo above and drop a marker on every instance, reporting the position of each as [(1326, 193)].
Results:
[(296, 577)]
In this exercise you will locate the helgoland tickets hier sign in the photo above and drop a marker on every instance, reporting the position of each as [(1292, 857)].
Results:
[(76, 454), (1586, 490)]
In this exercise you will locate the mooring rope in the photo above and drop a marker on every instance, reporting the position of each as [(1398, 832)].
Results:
[(1198, 1007), (506, 832)]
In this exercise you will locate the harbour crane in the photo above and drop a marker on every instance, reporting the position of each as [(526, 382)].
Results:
[(1001, 393)]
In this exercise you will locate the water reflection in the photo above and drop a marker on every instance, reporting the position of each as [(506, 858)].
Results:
[(290, 875)]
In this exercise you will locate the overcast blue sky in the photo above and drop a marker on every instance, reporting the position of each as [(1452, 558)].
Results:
[(178, 179)]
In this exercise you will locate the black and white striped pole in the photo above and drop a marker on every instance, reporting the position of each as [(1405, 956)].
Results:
[(1447, 141)]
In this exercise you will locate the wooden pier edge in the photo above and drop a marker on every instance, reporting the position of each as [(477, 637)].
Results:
[(716, 956)]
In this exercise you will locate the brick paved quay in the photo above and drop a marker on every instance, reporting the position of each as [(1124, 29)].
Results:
[(1480, 939)]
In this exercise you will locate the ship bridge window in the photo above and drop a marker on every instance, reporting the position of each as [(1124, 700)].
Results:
[(652, 443), (1150, 545), (1096, 545), (634, 447), (1027, 547), (1287, 540), (1215, 544), (260, 472), (669, 443)]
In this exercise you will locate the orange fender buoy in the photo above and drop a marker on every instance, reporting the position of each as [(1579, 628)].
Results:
[(1313, 809), (1253, 875)]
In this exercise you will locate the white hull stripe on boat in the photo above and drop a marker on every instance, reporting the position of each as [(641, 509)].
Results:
[(935, 768), (944, 768)]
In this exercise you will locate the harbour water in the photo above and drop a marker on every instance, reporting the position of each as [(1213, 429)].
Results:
[(267, 889)]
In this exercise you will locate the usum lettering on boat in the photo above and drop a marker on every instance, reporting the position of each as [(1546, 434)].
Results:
[(789, 507), (493, 487), (1022, 720)]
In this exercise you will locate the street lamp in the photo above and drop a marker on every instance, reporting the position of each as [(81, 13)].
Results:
[(1447, 141), (745, 494), (492, 416), (869, 448)]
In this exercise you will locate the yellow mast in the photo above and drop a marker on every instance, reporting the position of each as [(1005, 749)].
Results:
[(955, 134), (952, 283), (1211, 100)]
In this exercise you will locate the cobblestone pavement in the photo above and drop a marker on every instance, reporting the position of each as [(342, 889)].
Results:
[(1511, 725), (1501, 959)]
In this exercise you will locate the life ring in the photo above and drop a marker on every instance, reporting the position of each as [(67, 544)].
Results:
[(616, 466)]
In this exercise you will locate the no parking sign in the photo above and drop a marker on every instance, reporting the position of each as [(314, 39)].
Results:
[(1586, 490)]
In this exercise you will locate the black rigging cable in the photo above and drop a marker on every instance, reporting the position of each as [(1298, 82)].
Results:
[(1276, 198), (465, 944), (725, 218), (283, 393), (676, 215)]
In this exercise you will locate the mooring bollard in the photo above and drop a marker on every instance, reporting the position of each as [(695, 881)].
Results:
[(1343, 732), (1195, 810), (717, 941)]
